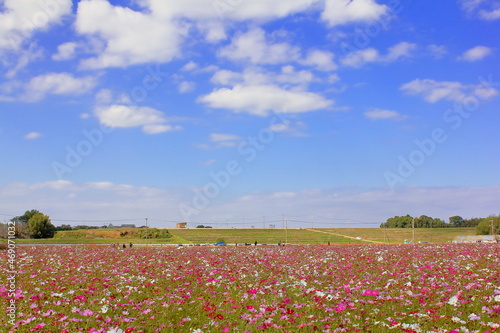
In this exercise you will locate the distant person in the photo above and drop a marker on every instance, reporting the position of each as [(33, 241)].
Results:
[(279, 243), (124, 246), (328, 243), (130, 245), (255, 243)]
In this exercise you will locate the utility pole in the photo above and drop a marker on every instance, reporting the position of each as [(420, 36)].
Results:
[(286, 232), (147, 231), (413, 230)]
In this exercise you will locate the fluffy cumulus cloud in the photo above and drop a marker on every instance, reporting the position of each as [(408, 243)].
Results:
[(19, 19), (361, 57), (339, 12), (261, 100), (253, 47), (130, 37), (65, 51), (476, 53), (433, 91), (154, 30), (57, 84), (151, 120)]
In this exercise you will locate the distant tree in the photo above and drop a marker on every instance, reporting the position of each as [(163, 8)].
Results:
[(64, 227), (485, 226), (472, 222), (408, 221), (456, 221), (40, 226), (200, 226), (26, 217), (398, 222)]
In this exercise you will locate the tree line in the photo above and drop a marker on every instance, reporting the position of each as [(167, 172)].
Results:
[(484, 225), (32, 224)]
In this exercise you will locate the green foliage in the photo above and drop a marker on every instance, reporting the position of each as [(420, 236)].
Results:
[(200, 226), (408, 221), (152, 233), (26, 217), (3, 246), (64, 228), (40, 226), (456, 221), (484, 227), (398, 222)]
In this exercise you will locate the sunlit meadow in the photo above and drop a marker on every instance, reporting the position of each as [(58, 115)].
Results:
[(384, 288)]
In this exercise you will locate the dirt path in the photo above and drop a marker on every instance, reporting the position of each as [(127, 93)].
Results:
[(340, 235)]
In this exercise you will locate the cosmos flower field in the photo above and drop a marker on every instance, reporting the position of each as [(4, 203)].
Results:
[(372, 288)]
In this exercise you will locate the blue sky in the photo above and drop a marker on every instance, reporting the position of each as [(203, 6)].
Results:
[(347, 112)]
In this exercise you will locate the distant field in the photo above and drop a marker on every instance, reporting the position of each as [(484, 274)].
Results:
[(261, 236), (400, 235)]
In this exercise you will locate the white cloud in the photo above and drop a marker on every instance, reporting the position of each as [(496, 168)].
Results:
[(490, 15), (339, 12), (321, 60), (361, 57), (476, 53), (190, 66), (488, 10), (356, 206), (253, 47), (290, 127), (379, 114), (33, 135), (57, 84), (186, 86), (228, 10), (65, 51), (433, 91), (400, 50), (124, 116), (437, 51), (222, 140), (261, 100), (130, 37), (256, 76), (19, 19)]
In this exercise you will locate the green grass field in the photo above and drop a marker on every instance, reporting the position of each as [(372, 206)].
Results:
[(261, 236)]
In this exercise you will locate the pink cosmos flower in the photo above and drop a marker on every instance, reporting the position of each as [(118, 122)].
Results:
[(370, 293)]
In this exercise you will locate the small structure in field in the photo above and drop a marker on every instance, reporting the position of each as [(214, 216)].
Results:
[(182, 225)]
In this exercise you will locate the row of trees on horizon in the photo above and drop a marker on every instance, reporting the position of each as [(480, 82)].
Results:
[(484, 225)]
